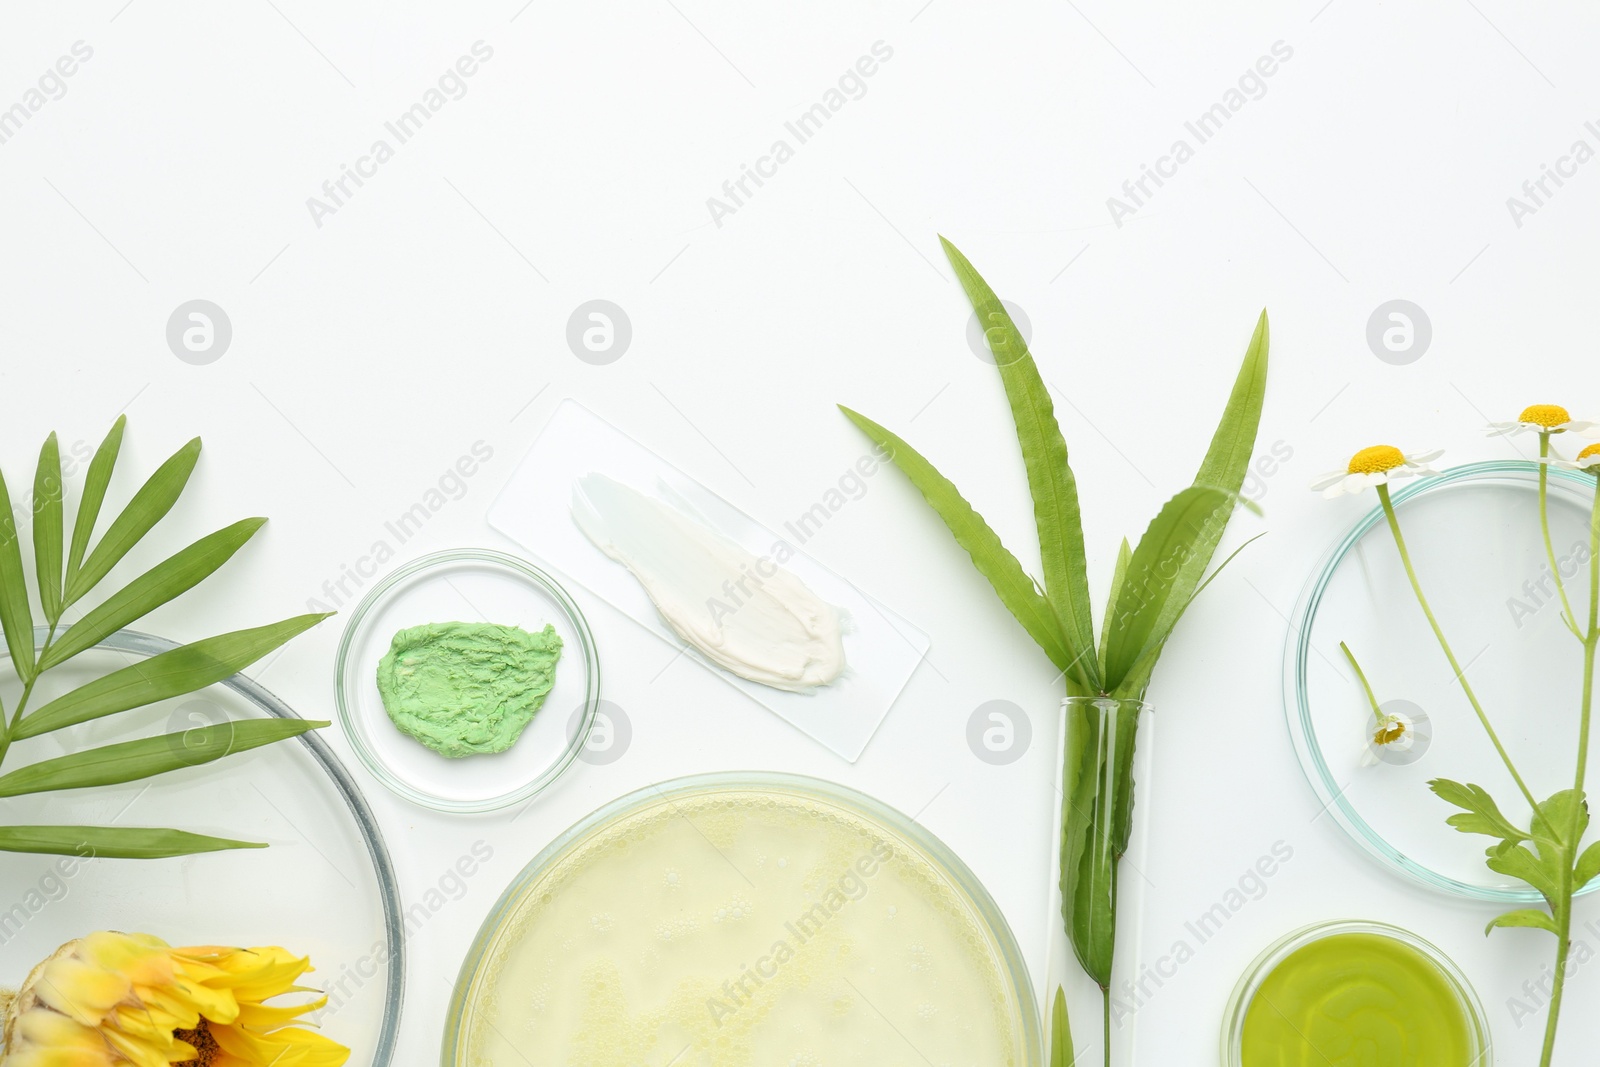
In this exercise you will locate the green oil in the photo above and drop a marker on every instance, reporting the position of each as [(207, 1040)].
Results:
[(1357, 1000)]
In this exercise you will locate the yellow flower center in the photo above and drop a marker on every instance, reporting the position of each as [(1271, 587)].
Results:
[(1592, 450), (1376, 460), (1548, 416), (1389, 731)]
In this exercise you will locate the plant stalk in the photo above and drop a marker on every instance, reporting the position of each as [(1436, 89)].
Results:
[(1449, 653), (1567, 615), (1591, 639), (27, 691)]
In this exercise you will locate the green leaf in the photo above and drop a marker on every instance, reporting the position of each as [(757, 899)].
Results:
[(1587, 867), (1118, 575), (1482, 815), (147, 757), (1529, 917), (1062, 1054), (47, 528), (1520, 862), (112, 842), (1228, 458), (1050, 478), (1133, 686), (1166, 569), (15, 616), (169, 674), (163, 582), (1561, 815), (1016, 590), (94, 494), (1097, 794), (148, 506)]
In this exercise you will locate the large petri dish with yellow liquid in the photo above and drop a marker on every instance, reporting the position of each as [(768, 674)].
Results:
[(758, 920)]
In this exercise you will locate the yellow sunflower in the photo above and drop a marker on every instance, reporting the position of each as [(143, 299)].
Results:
[(113, 999)]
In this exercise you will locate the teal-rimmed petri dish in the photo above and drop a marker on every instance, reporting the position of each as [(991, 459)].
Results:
[(1479, 1051), (748, 917), (467, 585), (1474, 536)]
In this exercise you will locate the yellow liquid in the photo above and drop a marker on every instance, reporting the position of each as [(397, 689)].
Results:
[(1357, 1000), (742, 929)]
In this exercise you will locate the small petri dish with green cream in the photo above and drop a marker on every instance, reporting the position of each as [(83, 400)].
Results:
[(473, 603), (1351, 994)]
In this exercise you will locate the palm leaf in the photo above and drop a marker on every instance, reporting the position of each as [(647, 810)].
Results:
[(47, 529), (129, 761), (148, 506), (15, 616), (173, 673), (94, 494), (166, 580), (112, 842)]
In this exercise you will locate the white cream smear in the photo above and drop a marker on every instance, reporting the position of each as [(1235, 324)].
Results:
[(742, 928), (747, 615)]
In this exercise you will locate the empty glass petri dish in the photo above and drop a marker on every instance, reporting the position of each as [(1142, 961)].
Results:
[(467, 585)]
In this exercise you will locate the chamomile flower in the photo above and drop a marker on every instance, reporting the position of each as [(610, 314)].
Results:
[(1377, 465), (1588, 460), (1540, 418)]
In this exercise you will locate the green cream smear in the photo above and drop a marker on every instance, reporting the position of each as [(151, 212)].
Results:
[(1357, 1000), (467, 688)]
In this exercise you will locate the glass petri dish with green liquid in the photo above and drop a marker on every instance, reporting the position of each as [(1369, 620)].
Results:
[(1353, 993)]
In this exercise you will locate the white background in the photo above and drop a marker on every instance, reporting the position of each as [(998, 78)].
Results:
[(429, 313)]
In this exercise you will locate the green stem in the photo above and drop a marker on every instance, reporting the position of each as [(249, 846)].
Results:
[(1567, 615), (1591, 640), (1449, 653), (1372, 698), (27, 691), (1105, 1002)]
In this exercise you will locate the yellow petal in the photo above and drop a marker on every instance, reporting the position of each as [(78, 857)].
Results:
[(262, 1017), (140, 1052), (81, 990), (53, 1030)]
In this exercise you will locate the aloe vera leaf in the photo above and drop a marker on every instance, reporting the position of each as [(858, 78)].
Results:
[(1050, 479), (1137, 680), (1167, 566), (1015, 589), (1228, 458), (1062, 1054), (1118, 574)]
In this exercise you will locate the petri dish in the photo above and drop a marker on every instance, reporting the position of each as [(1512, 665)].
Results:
[(1474, 537), (324, 887), (744, 918), (467, 585), (1345, 1006)]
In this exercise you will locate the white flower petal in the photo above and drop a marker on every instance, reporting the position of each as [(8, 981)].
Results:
[(1325, 480), (1505, 429), (1578, 426), (1425, 457)]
